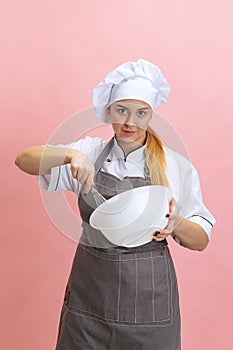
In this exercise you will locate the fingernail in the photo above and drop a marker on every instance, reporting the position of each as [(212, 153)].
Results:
[(167, 215), (156, 233)]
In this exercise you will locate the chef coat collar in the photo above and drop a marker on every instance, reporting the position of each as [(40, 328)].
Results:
[(134, 155)]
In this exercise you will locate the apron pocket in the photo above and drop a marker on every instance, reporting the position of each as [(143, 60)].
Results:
[(145, 289), (132, 288), (93, 284)]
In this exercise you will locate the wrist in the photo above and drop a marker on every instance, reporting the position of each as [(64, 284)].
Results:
[(70, 154), (177, 222)]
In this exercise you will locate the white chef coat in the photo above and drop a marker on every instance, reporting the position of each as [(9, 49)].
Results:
[(181, 174)]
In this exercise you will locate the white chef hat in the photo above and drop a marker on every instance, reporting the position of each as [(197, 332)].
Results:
[(139, 80)]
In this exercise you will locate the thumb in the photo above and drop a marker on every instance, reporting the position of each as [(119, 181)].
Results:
[(172, 203)]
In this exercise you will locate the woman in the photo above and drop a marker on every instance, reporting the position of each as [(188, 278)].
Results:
[(118, 297)]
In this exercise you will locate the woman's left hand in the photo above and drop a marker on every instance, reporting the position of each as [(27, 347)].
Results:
[(172, 221)]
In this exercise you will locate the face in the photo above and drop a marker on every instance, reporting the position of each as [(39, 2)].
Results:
[(130, 120)]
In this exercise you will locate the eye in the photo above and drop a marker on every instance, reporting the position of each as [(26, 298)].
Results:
[(141, 114), (122, 111)]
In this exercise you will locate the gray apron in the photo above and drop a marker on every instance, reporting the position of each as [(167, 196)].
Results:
[(119, 298)]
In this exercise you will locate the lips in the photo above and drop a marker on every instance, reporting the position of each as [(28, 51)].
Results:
[(129, 132)]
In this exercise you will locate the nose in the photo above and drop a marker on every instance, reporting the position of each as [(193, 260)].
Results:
[(130, 120)]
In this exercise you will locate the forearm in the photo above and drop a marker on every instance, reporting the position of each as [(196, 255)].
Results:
[(38, 160), (191, 235)]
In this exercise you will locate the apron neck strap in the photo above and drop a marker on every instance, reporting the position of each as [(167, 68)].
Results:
[(103, 155)]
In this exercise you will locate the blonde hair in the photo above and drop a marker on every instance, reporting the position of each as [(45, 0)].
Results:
[(155, 159)]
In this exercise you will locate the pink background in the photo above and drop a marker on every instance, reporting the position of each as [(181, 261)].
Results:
[(52, 54)]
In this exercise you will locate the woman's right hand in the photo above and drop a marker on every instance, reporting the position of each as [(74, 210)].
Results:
[(38, 160), (82, 169)]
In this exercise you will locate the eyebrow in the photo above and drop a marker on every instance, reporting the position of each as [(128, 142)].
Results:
[(147, 108)]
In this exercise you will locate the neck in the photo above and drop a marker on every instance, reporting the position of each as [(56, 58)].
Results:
[(129, 145)]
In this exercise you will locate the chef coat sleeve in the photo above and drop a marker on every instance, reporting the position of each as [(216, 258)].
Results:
[(60, 177), (196, 210), (186, 189)]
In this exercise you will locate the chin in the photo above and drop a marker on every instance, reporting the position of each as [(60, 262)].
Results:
[(126, 139)]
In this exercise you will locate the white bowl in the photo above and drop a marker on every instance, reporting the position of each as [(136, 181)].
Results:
[(130, 218)]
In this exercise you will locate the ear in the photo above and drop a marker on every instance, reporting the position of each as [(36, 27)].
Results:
[(108, 112), (109, 117)]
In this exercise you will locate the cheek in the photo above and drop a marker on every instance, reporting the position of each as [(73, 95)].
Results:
[(116, 119), (143, 125), (116, 127)]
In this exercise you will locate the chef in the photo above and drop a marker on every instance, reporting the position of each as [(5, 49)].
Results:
[(118, 297)]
